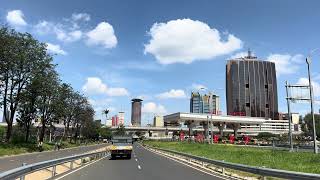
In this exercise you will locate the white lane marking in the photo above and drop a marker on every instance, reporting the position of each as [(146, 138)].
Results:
[(136, 159), (79, 168), (139, 167)]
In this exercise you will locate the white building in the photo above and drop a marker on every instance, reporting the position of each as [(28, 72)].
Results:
[(120, 118), (158, 121)]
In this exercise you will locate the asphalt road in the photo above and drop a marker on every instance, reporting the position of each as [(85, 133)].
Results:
[(10, 162), (143, 165)]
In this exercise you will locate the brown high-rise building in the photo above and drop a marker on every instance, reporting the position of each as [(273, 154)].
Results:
[(251, 88), (136, 112)]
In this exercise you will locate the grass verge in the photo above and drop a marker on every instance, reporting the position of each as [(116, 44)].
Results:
[(7, 149), (276, 159)]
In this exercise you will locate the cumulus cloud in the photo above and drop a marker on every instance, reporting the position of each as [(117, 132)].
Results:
[(286, 63), (154, 108), (186, 40), (68, 36), (55, 49), (102, 34), (80, 16), (173, 93), (316, 86), (94, 85), (117, 92), (61, 31), (16, 18)]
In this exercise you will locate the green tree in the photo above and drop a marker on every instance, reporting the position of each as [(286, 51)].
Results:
[(20, 57), (309, 126), (105, 132), (121, 131), (48, 100)]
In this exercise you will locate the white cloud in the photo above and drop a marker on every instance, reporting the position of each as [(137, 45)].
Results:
[(56, 49), (44, 27), (94, 85), (316, 86), (117, 92), (240, 55), (102, 34), (173, 93), (196, 86), (68, 36), (16, 18), (285, 63), (80, 16), (154, 108), (186, 40), (59, 30), (100, 102)]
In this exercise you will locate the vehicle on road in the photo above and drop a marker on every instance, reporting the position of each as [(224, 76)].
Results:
[(121, 146)]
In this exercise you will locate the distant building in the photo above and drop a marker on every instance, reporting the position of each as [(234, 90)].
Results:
[(251, 88), (115, 121), (208, 103), (158, 121), (109, 123), (196, 104), (121, 118), (136, 112)]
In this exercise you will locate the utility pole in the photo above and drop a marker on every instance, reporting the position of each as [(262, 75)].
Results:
[(315, 146), (289, 117), (211, 129)]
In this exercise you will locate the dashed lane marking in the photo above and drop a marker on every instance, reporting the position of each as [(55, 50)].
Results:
[(139, 167)]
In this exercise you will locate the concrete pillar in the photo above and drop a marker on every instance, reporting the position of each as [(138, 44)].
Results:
[(191, 125), (206, 130), (221, 127)]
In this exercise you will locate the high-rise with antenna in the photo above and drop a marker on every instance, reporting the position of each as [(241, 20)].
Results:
[(251, 86)]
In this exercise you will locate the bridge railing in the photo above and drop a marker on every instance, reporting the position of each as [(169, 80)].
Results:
[(21, 172), (262, 171)]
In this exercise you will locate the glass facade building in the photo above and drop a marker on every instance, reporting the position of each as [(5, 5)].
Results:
[(208, 103), (251, 86)]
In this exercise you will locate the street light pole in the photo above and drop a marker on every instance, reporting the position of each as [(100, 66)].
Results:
[(315, 146), (289, 118)]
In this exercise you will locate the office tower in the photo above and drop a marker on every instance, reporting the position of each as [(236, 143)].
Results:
[(136, 112), (251, 87)]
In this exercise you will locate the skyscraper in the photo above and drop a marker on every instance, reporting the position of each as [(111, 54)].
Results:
[(251, 86), (136, 112), (208, 103)]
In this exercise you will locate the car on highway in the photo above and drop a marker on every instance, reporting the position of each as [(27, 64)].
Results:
[(121, 147)]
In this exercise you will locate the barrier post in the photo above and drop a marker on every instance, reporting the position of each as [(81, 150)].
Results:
[(23, 176)]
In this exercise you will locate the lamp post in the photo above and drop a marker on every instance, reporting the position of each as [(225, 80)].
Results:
[(315, 146), (308, 61)]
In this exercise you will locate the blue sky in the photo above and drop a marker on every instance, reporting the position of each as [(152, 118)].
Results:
[(113, 51)]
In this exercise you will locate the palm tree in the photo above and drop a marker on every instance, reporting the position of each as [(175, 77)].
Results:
[(106, 111)]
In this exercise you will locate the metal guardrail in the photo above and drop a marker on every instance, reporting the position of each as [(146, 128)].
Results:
[(264, 172), (22, 171)]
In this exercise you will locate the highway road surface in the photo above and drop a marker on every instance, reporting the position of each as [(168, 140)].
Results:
[(143, 165), (10, 162)]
